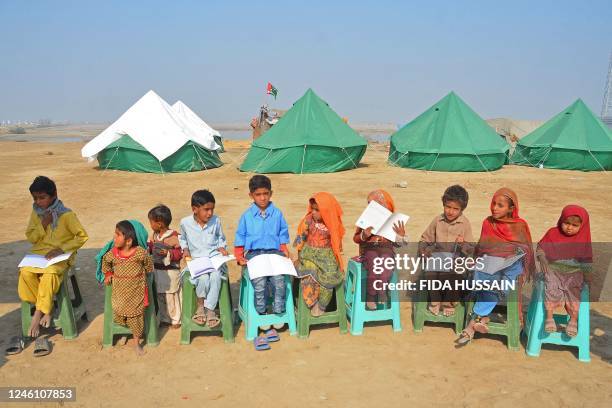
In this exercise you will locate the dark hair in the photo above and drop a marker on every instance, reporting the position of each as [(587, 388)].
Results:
[(201, 197), (259, 181), (42, 184), (161, 213), (128, 231), (458, 194)]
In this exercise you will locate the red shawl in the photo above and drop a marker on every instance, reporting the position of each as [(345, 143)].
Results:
[(557, 245), (501, 237)]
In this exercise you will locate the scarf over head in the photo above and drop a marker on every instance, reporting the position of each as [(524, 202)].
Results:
[(557, 245), (383, 198), (331, 213), (501, 237)]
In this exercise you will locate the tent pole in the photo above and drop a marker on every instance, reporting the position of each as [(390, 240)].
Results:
[(434, 162), (111, 159), (481, 163), (198, 154), (593, 156), (303, 156), (347, 155)]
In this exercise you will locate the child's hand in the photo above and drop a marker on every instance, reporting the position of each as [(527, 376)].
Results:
[(367, 233), (399, 229), (222, 251), (186, 254), (460, 239), (46, 220), (53, 253), (162, 252), (241, 261)]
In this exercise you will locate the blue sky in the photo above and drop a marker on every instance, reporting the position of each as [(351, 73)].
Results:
[(380, 61)]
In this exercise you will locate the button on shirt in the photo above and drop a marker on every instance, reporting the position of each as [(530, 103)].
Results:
[(202, 240), (257, 230)]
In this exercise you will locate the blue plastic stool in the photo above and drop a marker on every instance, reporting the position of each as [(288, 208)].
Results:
[(253, 320), (536, 316), (354, 288)]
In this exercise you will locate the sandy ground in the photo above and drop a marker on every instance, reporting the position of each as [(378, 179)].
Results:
[(327, 369)]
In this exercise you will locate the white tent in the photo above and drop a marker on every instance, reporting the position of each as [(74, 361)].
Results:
[(154, 124), (189, 115)]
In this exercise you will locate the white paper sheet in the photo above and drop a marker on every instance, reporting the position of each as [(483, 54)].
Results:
[(492, 264), (270, 265), (381, 219), (39, 261)]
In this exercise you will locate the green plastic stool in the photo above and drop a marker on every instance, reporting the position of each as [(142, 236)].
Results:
[(112, 329), (420, 314), (534, 325), (354, 289), (70, 310), (189, 305), (253, 320), (511, 328), (305, 319)]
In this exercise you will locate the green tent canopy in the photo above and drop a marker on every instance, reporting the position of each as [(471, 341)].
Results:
[(575, 139), (449, 136), (127, 154), (309, 138)]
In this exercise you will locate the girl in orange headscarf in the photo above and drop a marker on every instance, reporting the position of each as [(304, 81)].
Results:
[(504, 234), (319, 245), (373, 246)]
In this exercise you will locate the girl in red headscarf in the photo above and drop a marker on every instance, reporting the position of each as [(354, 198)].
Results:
[(319, 244), (504, 234), (566, 258), (373, 246)]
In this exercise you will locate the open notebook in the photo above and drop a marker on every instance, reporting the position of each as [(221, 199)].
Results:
[(381, 219), (270, 265)]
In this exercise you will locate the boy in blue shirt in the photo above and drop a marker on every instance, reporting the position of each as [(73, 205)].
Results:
[(201, 235), (262, 229)]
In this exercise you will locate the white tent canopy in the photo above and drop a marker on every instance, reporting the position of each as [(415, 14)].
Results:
[(154, 124), (191, 117)]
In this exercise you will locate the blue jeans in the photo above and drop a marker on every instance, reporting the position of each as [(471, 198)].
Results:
[(487, 300), (208, 286), (268, 286)]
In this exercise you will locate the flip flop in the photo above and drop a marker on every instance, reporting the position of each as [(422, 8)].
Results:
[(261, 343), (571, 329), (550, 326), (199, 319), (16, 345), (272, 335), (464, 339), (42, 347), (212, 319)]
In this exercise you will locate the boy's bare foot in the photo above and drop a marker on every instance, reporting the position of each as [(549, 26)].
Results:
[(34, 329), (316, 310), (137, 347), (45, 321), (449, 311), (572, 327), (434, 309), (550, 326), (371, 305)]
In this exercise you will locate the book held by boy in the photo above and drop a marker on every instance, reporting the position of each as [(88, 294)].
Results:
[(203, 265), (381, 219), (270, 265), (39, 261)]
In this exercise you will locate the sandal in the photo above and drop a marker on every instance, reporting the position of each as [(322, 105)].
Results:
[(212, 319), (261, 343), (272, 335), (480, 326), (42, 347), (448, 311), (200, 316), (464, 339), (572, 328), (15, 346), (550, 326)]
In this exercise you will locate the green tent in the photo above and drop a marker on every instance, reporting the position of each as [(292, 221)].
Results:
[(449, 136), (575, 139), (127, 154), (309, 138)]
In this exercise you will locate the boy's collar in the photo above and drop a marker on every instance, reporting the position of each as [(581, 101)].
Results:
[(256, 210), (458, 219), (198, 222)]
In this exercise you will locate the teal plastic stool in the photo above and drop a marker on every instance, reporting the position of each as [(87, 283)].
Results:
[(189, 304), (420, 314), (305, 319), (253, 320), (112, 329), (534, 325), (511, 327), (354, 289), (69, 310)]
